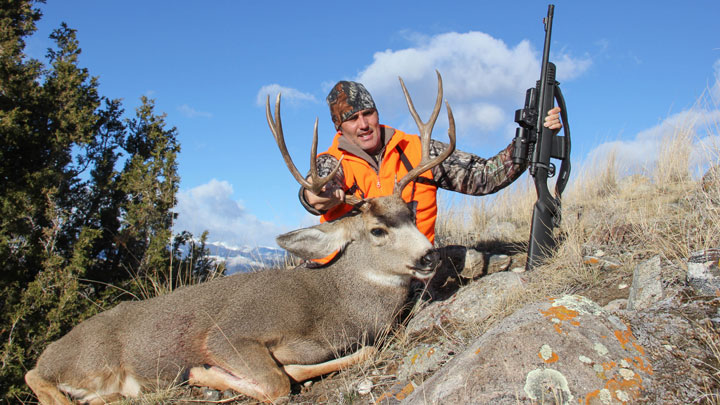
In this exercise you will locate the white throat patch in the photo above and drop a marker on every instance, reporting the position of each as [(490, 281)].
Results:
[(381, 279)]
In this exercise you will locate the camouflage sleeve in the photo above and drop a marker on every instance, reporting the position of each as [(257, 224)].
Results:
[(469, 174), (325, 164)]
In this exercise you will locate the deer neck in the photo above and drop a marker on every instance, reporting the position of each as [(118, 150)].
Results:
[(367, 275)]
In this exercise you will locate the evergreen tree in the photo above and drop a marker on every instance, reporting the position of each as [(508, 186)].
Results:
[(44, 114), (76, 230), (102, 197), (21, 213), (149, 182)]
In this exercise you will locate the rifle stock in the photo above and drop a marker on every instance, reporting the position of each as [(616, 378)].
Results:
[(536, 145)]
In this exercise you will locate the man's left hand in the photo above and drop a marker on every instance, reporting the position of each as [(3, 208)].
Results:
[(552, 120)]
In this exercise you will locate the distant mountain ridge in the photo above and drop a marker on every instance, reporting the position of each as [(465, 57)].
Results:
[(245, 258)]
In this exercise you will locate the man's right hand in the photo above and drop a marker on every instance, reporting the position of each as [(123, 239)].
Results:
[(331, 196)]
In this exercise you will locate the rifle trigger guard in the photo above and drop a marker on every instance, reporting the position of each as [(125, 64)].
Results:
[(550, 167)]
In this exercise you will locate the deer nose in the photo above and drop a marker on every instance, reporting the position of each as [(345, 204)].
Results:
[(430, 259)]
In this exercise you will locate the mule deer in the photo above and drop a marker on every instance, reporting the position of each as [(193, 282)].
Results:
[(254, 332)]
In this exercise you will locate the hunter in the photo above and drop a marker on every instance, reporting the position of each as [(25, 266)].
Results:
[(375, 155)]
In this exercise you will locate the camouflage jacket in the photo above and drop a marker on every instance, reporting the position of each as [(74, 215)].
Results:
[(461, 171)]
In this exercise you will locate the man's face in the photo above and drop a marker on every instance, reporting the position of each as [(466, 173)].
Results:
[(363, 129)]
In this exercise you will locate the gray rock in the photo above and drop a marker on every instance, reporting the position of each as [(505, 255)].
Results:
[(396, 393), (703, 272), (616, 305), (647, 287), (474, 264), (498, 263), (210, 394), (425, 358), (471, 304), (679, 351), (565, 351), (603, 263)]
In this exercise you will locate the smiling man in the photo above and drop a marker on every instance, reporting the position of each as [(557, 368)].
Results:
[(375, 155)]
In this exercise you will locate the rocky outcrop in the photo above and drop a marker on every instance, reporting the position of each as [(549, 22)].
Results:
[(563, 351), (567, 349), (472, 306)]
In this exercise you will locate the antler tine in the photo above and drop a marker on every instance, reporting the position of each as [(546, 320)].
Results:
[(317, 183), (425, 133)]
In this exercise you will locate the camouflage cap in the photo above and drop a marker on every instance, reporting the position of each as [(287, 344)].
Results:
[(347, 98)]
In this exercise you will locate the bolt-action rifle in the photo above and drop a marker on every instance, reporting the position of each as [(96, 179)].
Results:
[(537, 144)]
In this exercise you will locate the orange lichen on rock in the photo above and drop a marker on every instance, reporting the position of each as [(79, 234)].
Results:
[(623, 337), (626, 384), (631, 387), (638, 347), (639, 362), (407, 390), (560, 314), (552, 359), (609, 365), (429, 353), (591, 260), (620, 389), (404, 392), (589, 397), (385, 395)]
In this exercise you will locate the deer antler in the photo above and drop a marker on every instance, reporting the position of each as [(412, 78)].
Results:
[(425, 131), (316, 183)]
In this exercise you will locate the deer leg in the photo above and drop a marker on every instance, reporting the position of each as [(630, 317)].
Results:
[(46, 392), (246, 367), (302, 372)]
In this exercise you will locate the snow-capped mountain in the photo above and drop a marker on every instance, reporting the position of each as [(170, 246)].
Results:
[(246, 258)]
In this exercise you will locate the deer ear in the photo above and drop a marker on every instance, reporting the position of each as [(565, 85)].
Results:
[(315, 242)]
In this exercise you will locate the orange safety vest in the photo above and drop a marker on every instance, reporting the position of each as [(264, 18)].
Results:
[(362, 179)]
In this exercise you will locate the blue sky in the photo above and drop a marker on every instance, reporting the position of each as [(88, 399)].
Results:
[(629, 71)]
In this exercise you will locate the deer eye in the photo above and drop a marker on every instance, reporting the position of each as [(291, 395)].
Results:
[(378, 232)]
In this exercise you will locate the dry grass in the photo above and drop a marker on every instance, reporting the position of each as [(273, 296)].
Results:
[(468, 221)]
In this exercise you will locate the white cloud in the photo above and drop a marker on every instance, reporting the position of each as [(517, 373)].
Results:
[(472, 64), (485, 116), (288, 94), (190, 112), (484, 78), (641, 153), (211, 207), (569, 68), (696, 126)]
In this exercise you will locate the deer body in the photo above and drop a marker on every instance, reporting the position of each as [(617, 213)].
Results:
[(246, 327), (254, 332)]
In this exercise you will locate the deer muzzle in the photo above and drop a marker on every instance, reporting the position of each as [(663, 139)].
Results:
[(425, 266)]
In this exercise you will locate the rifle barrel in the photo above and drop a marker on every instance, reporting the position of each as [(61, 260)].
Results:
[(542, 110)]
